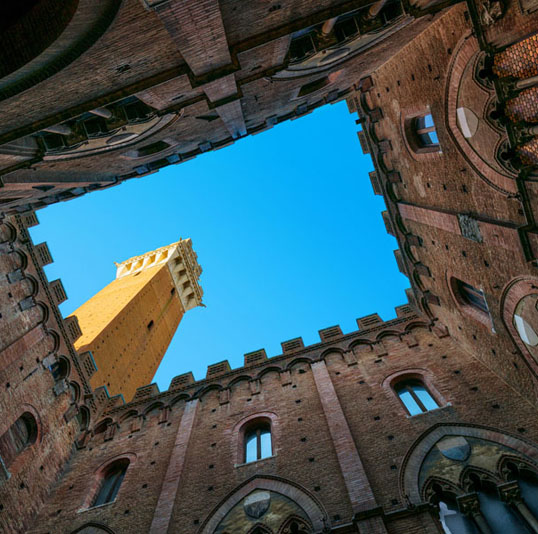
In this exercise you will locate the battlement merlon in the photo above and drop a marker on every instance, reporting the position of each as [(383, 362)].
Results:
[(184, 269)]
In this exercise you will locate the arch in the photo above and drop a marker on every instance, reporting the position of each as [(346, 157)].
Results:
[(102, 425), (239, 429), (83, 418), (237, 379), (61, 368), (390, 334), (469, 300), (153, 406), (465, 53), (127, 459), (301, 526), (93, 528), (75, 392), (513, 293), (425, 376), (179, 398), (127, 415), (311, 506), (297, 361), (412, 463), (207, 389), (472, 471), (359, 343), (267, 370), (409, 327), (65, 31), (331, 350)]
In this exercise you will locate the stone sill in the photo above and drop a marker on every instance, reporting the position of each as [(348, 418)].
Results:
[(98, 507), (255, 461), (447, 405)]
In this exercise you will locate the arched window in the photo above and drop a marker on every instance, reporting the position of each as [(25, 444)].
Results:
[(110, 483), (257, 443), (415, 397), (20, 435), (470, 295)]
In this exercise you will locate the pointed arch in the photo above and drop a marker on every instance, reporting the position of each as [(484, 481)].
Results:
[(300, 525), (311, 506), (260, 529), (93, 528), (412, 463)]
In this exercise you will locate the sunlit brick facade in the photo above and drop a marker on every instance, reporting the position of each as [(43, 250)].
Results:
[(422, 424)]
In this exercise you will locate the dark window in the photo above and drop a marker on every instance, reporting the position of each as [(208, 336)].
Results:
[(311, 87), (415, 397), (150, 325), (110, 485), (345, 29), (20, 435), (136, 111), (472, 296), (425, 131), (302, 47), (53, 142), (148, 150), (258, 442), (95, 127)]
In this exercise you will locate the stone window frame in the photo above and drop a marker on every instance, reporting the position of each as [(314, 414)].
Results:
[(465, 307), (425, 376), (240, 429), (98, 476), (408, 116)]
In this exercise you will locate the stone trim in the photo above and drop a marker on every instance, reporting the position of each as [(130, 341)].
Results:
[(409, 472), (424, 375), (512, 293), (311, 506)]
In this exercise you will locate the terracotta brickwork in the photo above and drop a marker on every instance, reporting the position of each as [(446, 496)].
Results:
[(33, 341), (454, 219), (210, 73), (334, 410), (146, 84)]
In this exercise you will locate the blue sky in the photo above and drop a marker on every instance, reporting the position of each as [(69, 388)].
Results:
[(286, 227)]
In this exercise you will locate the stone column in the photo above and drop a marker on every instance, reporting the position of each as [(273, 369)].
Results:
[(511, 494), (469, 505)]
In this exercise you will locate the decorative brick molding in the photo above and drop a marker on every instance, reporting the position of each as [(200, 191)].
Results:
[(463, 54), (163, 511), (512, 294), (409, 473), (311, 506), (359, 490)]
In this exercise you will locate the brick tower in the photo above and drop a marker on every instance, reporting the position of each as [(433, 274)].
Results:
[(129, 324)]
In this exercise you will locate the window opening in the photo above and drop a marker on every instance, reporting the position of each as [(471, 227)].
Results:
[(472, 296), (258, 443), (302, 47), (425, 130), (110, 485), (20, 435), (415, 397)]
